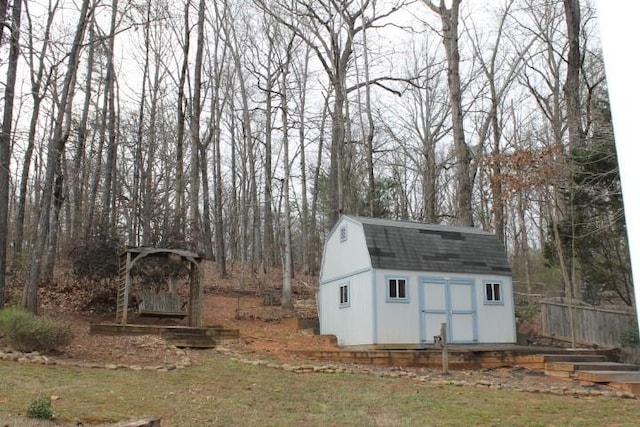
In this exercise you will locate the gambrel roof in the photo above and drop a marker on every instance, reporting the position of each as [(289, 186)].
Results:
[(415, 246)]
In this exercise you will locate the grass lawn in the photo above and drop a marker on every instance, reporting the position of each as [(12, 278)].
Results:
[(223, 392)]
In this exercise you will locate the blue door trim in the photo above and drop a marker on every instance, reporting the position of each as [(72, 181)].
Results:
[(448, 311)]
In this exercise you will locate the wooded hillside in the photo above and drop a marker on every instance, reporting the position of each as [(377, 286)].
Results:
[(242, 129)]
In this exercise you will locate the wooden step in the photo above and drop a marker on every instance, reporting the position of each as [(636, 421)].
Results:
[(560, 374), (550, 358), (608, 376), (631, 386), (190, 340), (589, 366)]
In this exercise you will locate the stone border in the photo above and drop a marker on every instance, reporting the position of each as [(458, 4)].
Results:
[(36, 358)]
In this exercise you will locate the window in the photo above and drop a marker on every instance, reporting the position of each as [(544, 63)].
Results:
[(397, 289), (343, 233), (344, 295), (493, 292)]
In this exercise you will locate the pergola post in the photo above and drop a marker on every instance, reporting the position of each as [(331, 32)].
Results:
[(195, 294)]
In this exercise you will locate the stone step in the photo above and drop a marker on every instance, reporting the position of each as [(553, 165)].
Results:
[(608, 376), (590, 366)]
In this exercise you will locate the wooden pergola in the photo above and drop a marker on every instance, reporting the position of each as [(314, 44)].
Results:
[(162, 304)]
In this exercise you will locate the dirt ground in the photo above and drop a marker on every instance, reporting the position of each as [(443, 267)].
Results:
[(264, 331)]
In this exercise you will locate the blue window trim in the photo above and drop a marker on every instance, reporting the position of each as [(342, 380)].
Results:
[(348, 302), (484, 292), (388, 298), (344, 233)]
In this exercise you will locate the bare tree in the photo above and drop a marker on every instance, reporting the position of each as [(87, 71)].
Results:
[(5, 139), (39, 85), (287, 262), (500, 69), (450, 19), (196, 109), (330, 28), (56, 146)]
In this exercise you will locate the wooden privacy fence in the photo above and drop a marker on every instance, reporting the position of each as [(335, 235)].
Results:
[(592, 325)]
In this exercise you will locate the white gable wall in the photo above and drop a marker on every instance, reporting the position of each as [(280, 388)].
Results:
[(346, 262), (344, 258)]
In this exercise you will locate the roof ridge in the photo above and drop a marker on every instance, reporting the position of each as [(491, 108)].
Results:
[(408, 223)]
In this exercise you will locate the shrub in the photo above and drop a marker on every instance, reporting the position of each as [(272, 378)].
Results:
[(28, 332), (630, 336), (40, 408), (96, 258)]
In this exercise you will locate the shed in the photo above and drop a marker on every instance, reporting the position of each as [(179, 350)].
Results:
[(393, 283)]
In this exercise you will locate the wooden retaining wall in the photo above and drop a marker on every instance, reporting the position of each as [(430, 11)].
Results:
[(462, 357), (592, 325)]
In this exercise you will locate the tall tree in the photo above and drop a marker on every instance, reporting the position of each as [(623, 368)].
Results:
[(287, 262), (196, 110), (450, 19), (39, 85), (330, 29), (5, 139), (54, 151), (499, 69)]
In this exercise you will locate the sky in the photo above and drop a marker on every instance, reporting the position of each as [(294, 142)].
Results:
[(619, 26)]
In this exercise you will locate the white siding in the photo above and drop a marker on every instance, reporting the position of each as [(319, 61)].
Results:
[(496, 322), (397, 322), (402, 323), (343, 258), (352, 324)]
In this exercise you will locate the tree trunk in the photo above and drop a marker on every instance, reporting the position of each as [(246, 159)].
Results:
[(463, 194), (369, 133), (180, 214), (78, 159), (304, 221), (268, 244), (109, 171), (207, 237), (5, 141), (287, 270), (572, 83), (196, 109)]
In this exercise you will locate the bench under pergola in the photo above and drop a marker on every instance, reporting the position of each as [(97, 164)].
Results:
[(160, 304)]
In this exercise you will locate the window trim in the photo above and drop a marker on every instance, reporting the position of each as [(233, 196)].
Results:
[(490, 300), (387, 289), (344, 233), (346, 303)]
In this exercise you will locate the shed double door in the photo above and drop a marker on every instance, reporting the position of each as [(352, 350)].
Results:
[(450, 301)]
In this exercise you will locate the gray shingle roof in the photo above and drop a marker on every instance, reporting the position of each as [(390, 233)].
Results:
[(414, 246)]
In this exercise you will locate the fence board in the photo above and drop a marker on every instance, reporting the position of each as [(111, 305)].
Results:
[(592, 325)]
